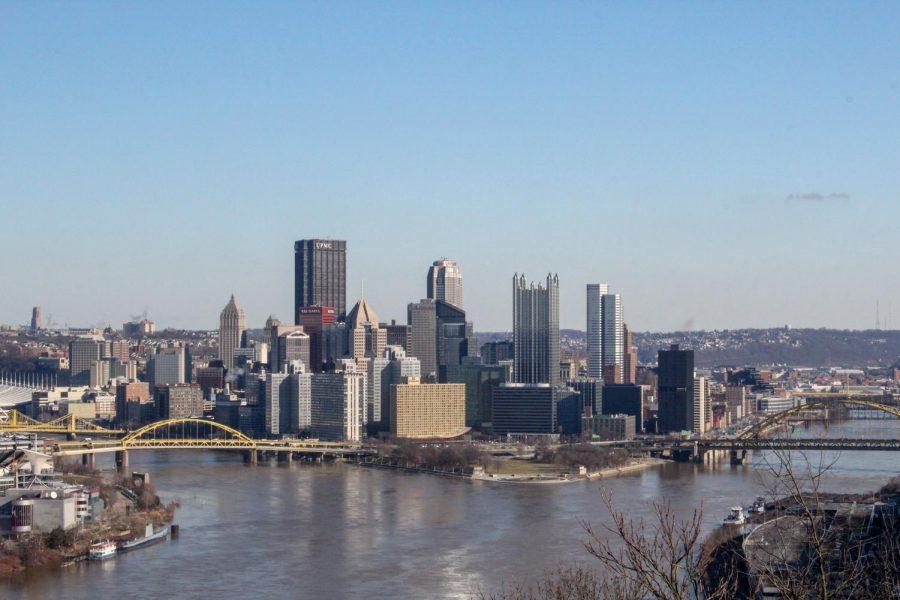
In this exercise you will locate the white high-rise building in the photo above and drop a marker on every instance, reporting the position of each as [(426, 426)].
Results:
[(595, 293), (701, 408), (338, 406), (167, 367), (384, 371), (231, 330), (445, 282), (613, 339)]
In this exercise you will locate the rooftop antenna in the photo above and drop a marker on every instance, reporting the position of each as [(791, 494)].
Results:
[(877, 316)]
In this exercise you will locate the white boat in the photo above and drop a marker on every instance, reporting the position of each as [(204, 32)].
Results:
[(758, 506), (101, 550), (735, 517)]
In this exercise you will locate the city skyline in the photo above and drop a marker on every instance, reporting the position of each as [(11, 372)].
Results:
[(623, 151)]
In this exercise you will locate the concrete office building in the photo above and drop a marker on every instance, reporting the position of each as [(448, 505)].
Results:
[(383, 371), (83, 352), (320, 276), (134, 404), (630, 362), (338, 406), (293, 346), (445, 282), (536, 331), (231, 332), (428, 410), (613, 336), (100, 373), (675, 389), (167, 366), (616, 427), (701, 410), (595, 293), (179, 401), (288, 398)]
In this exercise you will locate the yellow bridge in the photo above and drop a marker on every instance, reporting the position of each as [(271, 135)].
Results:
[(13, 421)]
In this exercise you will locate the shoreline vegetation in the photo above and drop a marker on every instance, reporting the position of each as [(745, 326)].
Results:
[(568, 463), (129, 506)]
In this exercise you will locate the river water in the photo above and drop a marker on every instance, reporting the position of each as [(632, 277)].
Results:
[(339, 531)]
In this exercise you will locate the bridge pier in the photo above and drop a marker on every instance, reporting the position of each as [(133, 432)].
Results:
[(739, 457), (71, 437), (285, 456), (250, 457), (89, 461), (121, 461)]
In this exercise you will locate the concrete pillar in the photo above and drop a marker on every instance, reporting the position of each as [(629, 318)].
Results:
[(89, 461), (738, 457), (285, 456), (250, 457), (121, 460)]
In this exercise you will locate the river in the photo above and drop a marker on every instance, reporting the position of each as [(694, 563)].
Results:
[(339, 531)]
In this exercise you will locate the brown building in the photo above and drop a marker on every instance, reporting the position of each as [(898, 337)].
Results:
[(428, 410), (179, 401), (131, 400), (612, 374), (630, 361)]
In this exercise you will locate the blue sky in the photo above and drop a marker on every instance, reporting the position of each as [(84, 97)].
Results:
[(719, 165)]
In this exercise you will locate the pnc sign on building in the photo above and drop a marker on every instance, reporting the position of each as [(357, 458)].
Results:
[(323, 245)]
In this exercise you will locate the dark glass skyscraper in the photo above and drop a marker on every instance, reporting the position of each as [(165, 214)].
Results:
[(320, 275), (675, 392)]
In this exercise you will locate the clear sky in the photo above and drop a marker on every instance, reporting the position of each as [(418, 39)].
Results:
[(718, 164)]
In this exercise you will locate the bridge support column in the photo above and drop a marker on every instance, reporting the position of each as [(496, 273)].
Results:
[(739, 457), (250, 457), (285, 457), (121, 460), (89, 461), (70, 436)]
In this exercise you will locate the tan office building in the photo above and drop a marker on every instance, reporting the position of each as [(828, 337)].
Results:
[(428, 410)]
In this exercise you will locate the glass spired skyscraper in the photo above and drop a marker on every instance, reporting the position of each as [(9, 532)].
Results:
[(536, 331), (320, 276)]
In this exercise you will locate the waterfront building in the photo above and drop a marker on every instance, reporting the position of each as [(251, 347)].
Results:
[(320, 275), (776, 404), (624, 398), (613, 343), (493, 353), (314, 320), (701, 410), (523, 408), (133, 403), (167, 366), (383, 371), (179, 401), (615, 427), (231, 332), (427, 410), (445, 282), (595, 293), (338, 406), (288, 397), (83, 352), (675, 389), (536, 331)]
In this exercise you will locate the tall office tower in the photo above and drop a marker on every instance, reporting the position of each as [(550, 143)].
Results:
[(314, 319), (367, 339), (35, 319), (385, 370), (293, 347), (454, 337), (536, 331), (167, 366), (338, 406), (675, 389), (271, 323), (120, 350), (445, 282), (613, 343), (231, 330), (275, 333), (630, 361), (83, 352), (320, 275), (595, 293), (480, 380), (700, 409), (422, 319)]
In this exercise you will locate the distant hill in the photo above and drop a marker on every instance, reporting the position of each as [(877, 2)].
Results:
[(758, 347)]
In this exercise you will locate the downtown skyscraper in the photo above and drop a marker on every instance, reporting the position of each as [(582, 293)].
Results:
[(231, 330), (613, 344), (320, 276), (536, 331), (595, 293), (445, 282)]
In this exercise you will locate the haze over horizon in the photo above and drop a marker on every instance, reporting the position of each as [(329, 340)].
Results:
[(719, 166)]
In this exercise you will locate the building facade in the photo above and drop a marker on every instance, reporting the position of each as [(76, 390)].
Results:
[(594, 322), (675, 389), (445, 282), (536, 331), (320, 275), (428, 410), (613, 334), (231, 331)]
